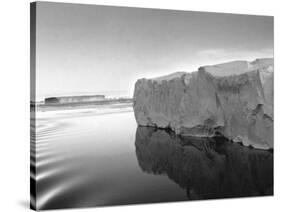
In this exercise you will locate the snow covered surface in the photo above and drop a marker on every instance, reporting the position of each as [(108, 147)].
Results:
[(234, 99)]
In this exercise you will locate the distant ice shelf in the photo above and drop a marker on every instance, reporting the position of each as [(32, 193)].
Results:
[(234, 99), (73, 99), (81, 102)]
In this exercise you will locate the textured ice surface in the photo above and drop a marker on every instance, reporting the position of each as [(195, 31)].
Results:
[(234, 99)]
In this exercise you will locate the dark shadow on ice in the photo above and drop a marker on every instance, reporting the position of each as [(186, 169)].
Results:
[(206, 168)]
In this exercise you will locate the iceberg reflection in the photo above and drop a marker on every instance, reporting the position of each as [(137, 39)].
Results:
[(206, 168)]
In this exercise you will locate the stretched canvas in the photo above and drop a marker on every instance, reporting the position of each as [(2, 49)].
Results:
[(136, 105)]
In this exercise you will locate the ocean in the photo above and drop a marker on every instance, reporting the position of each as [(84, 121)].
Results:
[(99, 157)]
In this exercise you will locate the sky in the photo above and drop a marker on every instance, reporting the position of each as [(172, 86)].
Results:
[(98, 49)]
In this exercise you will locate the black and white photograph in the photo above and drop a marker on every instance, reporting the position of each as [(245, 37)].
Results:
[(135, 105)]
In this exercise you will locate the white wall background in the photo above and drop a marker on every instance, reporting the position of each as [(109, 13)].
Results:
[(14, 105)]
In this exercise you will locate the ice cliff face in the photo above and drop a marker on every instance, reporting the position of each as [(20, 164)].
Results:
[(234, 99)]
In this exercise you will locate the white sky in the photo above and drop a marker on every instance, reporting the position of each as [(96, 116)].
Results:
[(85, 48)]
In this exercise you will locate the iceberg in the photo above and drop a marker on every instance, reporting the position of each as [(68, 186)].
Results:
[(233, 99)]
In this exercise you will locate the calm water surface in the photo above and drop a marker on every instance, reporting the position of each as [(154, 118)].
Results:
[(90, 158)]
